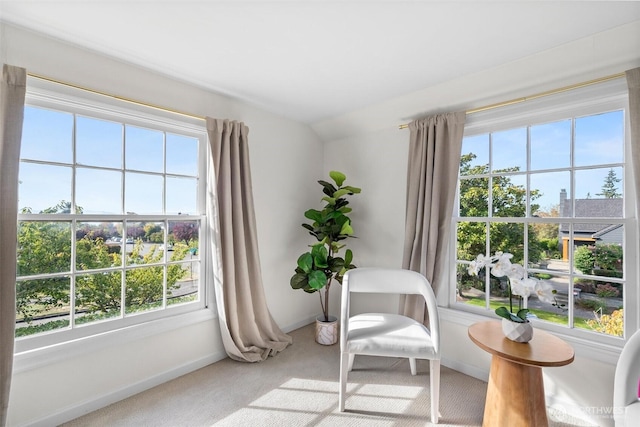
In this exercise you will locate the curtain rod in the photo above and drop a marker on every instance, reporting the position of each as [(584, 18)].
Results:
[(538, 95), (120, 98)]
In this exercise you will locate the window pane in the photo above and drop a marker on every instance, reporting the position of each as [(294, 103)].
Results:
[(42, 305), (475, 155), (43, 247), (98, 297), (558, 311), (98, 245), (182, 195), (98, 142), (143, 193), (551, 145), (470, 289), (182, 155), (43, 187), (509, 150), (47, 135), (145, 243), (605, 183), (144, 289), (185, 286), (544, 247), (509, 196), (144, 149), (185, 232), (599, 139), (474, 197), (472, 238), (507, 237), (549, 192), (98, 191), (600, 303)]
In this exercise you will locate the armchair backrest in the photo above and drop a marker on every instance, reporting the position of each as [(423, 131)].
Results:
[(625, 386), (389, 281)]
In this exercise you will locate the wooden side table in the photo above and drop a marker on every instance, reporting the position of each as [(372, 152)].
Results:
[(515, 393)]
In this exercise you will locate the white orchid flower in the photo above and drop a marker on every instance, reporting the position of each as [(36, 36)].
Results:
[(516, 271), (544, 291), (522, 287), (502, 267)]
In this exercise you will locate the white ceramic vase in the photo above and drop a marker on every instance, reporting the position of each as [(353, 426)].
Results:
[(326, 332), (518, 332)]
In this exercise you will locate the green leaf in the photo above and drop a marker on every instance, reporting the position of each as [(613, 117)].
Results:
[(354, 190), (328, 188), (314, 215), (348, 257), (340, 193), (305, 262), (346, 229), (320, 254), (338, 177), (330, 200), (522, 313), (299, 281), (317, 280), (503, 312)]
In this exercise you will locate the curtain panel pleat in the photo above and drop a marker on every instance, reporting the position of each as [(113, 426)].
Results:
[(432, 173), (633, 82), (248, 330), (12, 94)]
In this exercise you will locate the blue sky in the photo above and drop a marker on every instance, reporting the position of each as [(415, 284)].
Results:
[(599, 140), (48, 136)]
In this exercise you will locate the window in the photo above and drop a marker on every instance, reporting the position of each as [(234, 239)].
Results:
[(548, 184), (111, 218)]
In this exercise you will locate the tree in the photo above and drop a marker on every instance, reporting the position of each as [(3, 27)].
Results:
[(44, 247), (185, 231), (610, 187), (509, 200)]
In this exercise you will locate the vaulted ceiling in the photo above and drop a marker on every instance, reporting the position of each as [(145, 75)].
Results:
[(313, 60)]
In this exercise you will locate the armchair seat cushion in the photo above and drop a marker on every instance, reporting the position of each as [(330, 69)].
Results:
[(391, 335)]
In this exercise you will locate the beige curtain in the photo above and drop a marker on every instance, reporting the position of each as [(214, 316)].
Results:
[(633, 81), (434, 159), (12, 92), (248, 330)]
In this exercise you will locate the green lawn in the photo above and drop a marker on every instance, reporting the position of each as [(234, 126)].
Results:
[(558, 318)]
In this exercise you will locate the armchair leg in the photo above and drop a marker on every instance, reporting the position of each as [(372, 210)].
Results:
[(435, 390), (345, 360), (412, 365)]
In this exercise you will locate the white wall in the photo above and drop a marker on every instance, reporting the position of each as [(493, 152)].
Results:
[(286, 161), (368, 146)]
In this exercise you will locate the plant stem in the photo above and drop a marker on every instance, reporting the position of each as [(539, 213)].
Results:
[(326, 301)]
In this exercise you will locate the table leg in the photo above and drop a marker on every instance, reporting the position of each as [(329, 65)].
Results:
[(515, 396)]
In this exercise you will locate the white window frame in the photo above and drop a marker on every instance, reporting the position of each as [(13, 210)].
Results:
[(608, 96), (45, 348)]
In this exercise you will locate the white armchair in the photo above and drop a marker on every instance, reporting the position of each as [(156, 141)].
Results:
[(388, 334), (625, 387)]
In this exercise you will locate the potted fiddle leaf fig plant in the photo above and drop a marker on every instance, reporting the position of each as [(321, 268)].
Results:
[(319, 267)]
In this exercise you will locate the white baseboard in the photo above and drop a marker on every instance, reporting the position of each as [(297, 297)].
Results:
[(472, 371), (82, 408)]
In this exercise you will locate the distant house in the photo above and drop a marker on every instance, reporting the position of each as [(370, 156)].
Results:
[(589, 233)]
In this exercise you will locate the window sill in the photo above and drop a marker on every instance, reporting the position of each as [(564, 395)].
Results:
[(36, 358), (588, 348)]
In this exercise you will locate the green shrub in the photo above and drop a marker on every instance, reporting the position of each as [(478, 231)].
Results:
[(584, 259), (608, 256)]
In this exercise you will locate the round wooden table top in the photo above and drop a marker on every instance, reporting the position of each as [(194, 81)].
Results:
[(544, 349)]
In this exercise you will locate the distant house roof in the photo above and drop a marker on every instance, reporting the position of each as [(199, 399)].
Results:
[(591, 208)]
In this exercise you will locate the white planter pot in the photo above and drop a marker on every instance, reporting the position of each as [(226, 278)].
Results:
[(518, 332), (326, 332)]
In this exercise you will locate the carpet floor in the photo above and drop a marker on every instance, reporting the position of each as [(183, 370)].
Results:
[(299, 387)]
